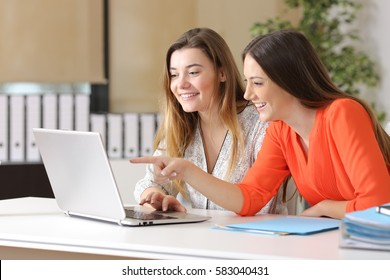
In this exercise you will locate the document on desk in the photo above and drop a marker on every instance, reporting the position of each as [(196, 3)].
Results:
[(285, 225)]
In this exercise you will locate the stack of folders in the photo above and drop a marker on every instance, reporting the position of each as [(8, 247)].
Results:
[(366, 229)]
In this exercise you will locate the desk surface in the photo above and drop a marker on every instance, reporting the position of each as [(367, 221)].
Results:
[(38, 223)]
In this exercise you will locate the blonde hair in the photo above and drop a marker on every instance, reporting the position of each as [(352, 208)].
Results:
[(177, 129)]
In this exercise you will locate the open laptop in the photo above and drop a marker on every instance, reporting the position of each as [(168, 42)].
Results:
[(84, 185)]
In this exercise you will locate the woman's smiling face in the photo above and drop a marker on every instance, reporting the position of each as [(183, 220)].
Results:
[(271, 101), (193, 79)]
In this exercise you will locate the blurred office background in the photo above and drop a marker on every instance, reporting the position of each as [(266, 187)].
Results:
[(119, 45)]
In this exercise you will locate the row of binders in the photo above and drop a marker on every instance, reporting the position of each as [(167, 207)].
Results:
[(125, 135)]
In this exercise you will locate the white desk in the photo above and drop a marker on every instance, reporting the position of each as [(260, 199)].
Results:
[(36, 228)]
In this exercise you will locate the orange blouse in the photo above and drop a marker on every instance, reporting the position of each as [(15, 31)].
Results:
[(343, 163)]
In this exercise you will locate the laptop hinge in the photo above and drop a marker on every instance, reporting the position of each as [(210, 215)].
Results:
[(94, 217)]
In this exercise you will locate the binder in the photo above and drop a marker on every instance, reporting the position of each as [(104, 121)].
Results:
[(114, 136), (33, 120), (17, 140), (148, 129), (65, 113), (3, 128), (49, 111), (98, 124), (81, 113), (131, 135)]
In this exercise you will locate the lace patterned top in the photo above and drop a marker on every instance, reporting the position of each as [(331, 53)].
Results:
[(253, 131)]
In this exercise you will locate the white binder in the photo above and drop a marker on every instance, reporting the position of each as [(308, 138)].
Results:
[(49, 111), (98, 124), (131, 135), (17, 140), (65, 113), (81, 113), (33, 120), (148, 129), (3, 128), (114, 136)]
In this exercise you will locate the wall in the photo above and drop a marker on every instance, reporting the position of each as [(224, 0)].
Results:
[(139, 35), (141, 31), (374, 21), (45, 41), (234, 18)]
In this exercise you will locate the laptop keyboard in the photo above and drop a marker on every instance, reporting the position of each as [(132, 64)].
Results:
[(133, 214)]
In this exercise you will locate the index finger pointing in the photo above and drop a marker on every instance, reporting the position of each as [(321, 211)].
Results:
[(147, 159)]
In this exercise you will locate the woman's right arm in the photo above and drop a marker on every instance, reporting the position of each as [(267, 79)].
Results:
[(227, 195)]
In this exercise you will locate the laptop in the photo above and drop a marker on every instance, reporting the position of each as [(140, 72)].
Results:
[(84, 185)]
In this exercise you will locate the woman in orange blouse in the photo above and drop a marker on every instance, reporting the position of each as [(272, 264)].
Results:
[(330, 142)]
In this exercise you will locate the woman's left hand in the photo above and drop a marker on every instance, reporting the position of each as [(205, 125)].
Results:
[(327, 208)]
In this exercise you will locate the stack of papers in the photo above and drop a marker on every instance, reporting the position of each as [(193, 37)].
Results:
[(285, 225), (366, 229)]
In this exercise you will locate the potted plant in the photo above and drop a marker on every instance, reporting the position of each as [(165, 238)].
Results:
[(323, 22)]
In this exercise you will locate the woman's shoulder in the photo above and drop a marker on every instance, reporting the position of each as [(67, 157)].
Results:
[(343, 104), (344, 107)]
